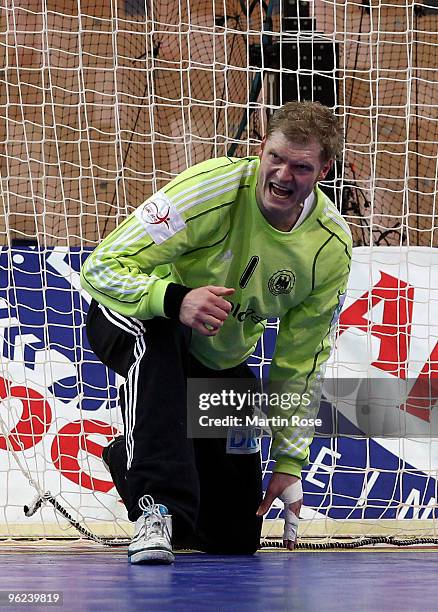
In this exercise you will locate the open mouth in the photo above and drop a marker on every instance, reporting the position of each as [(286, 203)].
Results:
[(279, 192)]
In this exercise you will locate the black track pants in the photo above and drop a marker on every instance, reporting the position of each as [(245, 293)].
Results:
[(213, 496)]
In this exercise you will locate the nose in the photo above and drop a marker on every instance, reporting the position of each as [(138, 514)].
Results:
[(285, 174)]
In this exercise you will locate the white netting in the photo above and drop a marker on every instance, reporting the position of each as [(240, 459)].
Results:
[(103, 103)]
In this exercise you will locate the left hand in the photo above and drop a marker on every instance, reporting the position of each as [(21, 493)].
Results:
[(278, 483)]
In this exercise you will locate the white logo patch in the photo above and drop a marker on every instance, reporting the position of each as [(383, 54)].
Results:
[(159, 217)]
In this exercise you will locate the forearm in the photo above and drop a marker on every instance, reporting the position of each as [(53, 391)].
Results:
[(140, 296)]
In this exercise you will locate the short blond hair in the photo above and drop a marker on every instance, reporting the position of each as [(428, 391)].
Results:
[(303, 121)]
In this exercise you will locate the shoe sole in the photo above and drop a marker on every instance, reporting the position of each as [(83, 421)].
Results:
[(152, 557)]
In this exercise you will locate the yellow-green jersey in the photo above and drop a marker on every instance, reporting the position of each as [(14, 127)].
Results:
[(205, 228)]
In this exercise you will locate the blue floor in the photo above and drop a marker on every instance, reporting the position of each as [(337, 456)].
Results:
[(269, 581)]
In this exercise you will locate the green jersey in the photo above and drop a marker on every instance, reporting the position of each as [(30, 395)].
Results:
[(205, 228)]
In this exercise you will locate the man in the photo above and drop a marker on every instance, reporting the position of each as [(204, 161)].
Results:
[(227, 236)]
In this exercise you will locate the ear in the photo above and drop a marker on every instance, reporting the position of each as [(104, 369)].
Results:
[(325, 170), (262, 146)]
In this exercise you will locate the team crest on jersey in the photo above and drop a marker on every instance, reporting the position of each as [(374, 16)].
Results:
[(159, 217), (282, 281)]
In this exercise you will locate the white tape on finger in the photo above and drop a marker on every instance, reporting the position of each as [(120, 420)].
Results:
[(290, 525), (290, 495)]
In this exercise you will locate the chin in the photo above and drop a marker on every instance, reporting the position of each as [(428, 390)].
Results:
[(280, 204)]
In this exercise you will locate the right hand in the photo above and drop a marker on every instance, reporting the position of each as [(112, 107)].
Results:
[(206, 306)]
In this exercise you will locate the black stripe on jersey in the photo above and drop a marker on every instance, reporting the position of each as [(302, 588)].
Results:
[(231, 162), (332, 235), (315, 358), (206, 212), (208, 246), (236, 160), (318, 252), (249, 271), (148, 246), (324, 227)]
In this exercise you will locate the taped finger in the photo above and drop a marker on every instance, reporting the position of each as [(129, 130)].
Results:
[(291, 494), (291, 521)]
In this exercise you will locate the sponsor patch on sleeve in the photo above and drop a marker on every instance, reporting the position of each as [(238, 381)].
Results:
[(159, 217)]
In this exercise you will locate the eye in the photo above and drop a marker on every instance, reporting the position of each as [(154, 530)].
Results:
[(274, 156)]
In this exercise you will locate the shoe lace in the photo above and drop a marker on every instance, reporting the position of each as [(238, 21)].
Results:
[(152, 512)]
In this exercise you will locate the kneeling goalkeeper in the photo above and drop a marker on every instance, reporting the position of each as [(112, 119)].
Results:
[(183, 288)]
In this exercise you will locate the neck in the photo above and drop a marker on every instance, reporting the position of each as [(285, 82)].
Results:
[(283, 224)]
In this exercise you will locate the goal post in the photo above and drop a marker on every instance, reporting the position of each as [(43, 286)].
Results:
[(102, 104)]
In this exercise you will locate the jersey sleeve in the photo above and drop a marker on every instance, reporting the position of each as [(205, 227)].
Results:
[(304, 343), (122, 273), (130, 270)]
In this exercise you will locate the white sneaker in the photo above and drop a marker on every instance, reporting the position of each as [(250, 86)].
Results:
[(153, 534)]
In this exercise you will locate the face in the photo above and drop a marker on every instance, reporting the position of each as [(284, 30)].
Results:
[(287, 175)]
